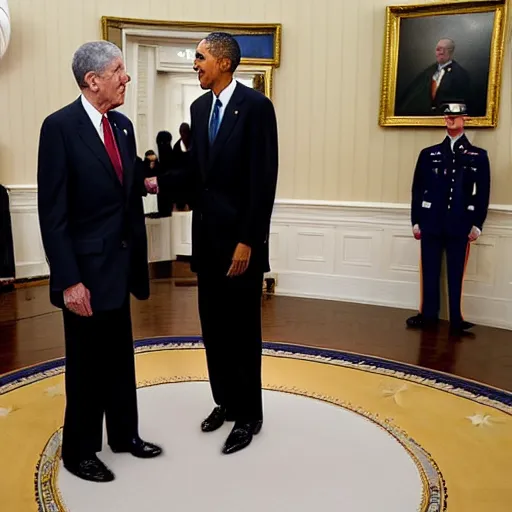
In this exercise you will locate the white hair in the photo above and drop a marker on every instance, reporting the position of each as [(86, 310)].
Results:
[(94, 56)]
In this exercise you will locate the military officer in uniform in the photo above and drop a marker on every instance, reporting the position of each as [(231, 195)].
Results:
[(450, 199)]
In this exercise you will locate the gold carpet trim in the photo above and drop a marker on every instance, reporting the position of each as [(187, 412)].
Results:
[(432, 383), (434, 487), (467, 435)]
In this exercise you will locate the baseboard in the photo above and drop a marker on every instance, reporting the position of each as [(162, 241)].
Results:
[(348, 289), (393, 294)]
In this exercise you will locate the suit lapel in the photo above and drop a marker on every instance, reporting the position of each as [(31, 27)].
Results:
[(201, 142), (90, 137), (229, 120)]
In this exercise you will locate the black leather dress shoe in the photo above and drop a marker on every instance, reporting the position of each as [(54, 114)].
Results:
[(216, 419), (420, 322), (91, 469), (139, 448), (241, 436)]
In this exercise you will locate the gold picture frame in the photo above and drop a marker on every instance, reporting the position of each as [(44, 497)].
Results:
[(112, 30), (404, 103)]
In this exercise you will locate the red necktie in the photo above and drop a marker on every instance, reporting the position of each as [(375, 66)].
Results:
[(111, 147)]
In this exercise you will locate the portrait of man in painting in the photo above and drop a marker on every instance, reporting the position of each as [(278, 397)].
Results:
[(443, 58)]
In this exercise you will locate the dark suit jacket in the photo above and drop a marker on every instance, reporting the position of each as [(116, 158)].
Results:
[(417, 98), (232, 184), (7, 265), (93, 228), (464, 188)]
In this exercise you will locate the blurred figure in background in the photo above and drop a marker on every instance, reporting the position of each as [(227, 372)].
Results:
[(166, 164), (182, 157)]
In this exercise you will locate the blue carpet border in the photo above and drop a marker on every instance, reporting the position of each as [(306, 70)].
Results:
[(475, 388)]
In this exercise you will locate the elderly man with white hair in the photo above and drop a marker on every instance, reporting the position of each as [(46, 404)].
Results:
[(92, 225)]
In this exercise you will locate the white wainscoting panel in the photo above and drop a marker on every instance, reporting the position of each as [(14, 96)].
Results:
[(181, 232), (167, 237), (364, 252), (28, 248), (357, 252)]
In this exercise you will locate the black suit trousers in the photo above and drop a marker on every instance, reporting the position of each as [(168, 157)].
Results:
[(230, 313), (457, 252), (100, 381)]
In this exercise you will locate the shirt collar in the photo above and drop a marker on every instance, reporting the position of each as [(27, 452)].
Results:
[(442, 66), (453, 140), (226, 93), (93, 114)]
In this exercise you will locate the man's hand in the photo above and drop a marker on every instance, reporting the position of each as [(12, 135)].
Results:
[(474, 234), (241, 259), (151, 185), (416, 232), (77, 299)]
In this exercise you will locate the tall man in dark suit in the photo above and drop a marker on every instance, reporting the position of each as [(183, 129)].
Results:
[(234, 163), (93, 231), (450, 199)]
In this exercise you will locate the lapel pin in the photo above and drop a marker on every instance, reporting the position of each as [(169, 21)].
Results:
[(125, 131), (236, 112)]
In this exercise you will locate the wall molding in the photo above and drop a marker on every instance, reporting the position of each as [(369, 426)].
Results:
[(29, 254), (167, 237), (348, 251)]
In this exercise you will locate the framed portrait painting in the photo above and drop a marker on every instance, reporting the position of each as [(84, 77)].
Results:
[(442, 52)]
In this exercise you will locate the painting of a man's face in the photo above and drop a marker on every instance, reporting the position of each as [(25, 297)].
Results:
[(444, 51)]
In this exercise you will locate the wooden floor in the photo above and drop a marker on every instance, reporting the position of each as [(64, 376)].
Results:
[(31, 331)]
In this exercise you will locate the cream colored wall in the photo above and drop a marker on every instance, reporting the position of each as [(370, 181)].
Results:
[(326, 91)]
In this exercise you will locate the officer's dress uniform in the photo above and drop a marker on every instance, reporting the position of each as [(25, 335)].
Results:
[(450, 195)]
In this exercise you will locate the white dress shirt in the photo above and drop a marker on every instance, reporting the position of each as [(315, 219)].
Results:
[(438, 75), (224, 97), (94, 116), (453, 140)]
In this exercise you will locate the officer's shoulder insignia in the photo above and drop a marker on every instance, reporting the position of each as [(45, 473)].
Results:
[(435, 153)]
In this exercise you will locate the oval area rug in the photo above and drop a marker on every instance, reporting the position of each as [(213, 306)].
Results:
[(342, 432)]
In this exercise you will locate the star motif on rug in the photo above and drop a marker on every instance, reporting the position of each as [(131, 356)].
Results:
[(54, 391), (396, 394), (4, 412), (480, 420)]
